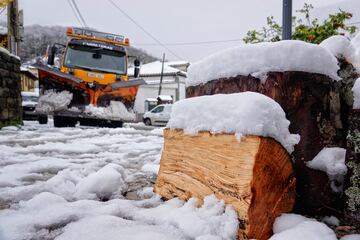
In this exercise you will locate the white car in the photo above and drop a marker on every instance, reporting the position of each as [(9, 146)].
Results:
[(159, 115), (29, 103)]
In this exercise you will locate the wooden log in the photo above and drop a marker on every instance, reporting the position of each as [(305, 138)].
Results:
[(255, 175), (312, 104)]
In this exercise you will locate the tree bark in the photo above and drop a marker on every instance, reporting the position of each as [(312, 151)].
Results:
[(352, 191), (312, 105)]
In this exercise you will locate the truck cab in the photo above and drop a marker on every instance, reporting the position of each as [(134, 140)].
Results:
[(95, 62), (93, 69)]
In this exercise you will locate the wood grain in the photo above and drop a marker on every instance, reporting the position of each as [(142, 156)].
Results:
[(254, 175)]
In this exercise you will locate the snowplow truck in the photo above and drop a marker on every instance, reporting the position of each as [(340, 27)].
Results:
[(88, 81)]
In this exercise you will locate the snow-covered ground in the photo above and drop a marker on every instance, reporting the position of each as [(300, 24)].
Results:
[(93, 183)]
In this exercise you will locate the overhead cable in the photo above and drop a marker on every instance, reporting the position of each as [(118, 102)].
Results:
[(75, 14), (79, 13), (192, 43), (143, 29)]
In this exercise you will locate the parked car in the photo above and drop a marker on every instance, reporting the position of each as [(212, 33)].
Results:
[(159, 115), (29, 102)]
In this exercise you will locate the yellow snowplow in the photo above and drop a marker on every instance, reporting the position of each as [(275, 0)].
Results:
[(88, 83)]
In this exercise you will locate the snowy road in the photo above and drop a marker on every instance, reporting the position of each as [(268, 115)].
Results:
[(91, 183)]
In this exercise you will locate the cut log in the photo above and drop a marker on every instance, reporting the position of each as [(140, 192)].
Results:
[(312, 104), (255, 175)]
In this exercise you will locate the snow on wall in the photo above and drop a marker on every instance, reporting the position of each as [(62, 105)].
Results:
[(246, 113), (331, 161), (356, 92), (258, 59), (341, 46), (4, 50)]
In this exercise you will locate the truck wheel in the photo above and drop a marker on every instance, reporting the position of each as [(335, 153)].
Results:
[(147, 122), (60, 121), (42, 119)]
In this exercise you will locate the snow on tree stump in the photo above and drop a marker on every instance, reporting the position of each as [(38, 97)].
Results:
[(235, 146), (254, 175), (312, 105)]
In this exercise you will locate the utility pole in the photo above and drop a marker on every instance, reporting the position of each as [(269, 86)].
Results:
[(287, 19), (15, 27), (162, 74)]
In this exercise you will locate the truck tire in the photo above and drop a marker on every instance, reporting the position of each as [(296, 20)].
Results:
[(60, 121), (42, 119), (147, 121)]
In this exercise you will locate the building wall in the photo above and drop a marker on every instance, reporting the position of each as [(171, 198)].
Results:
[(27, 84), (10, 90), (170, 86)]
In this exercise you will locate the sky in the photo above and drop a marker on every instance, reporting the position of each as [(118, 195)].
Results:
[(169, 21)]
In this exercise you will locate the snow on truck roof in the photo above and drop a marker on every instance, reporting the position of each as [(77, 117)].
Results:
[(258, 59), (246, 113)]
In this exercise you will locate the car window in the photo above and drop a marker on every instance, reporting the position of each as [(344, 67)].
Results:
[(30, 98), (158, 109)]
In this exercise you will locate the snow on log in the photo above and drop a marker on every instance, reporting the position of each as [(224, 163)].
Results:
[(228, 148), (311, 101), (331, 161), (341, 47), (258, 59)]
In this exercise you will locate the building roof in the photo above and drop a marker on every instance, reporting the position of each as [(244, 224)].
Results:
[(153, 69), (178, 63), (29, 74)]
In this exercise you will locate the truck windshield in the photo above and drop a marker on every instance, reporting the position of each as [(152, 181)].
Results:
[(95, 59)]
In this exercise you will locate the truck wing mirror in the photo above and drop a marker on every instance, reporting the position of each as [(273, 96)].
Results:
[(51, 56), (136, 68)]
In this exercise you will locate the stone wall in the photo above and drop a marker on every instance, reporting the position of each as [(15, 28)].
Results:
[(10, 90)]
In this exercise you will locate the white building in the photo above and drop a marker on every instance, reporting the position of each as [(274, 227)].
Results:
[(173, 83)]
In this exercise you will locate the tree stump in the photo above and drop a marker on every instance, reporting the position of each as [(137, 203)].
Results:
[(254, 175), (353, 162), (312, 104)]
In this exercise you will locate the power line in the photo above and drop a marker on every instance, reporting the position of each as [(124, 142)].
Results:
[(75, 14), (191, 43), (354, 23), (79, 13), (143, 29)]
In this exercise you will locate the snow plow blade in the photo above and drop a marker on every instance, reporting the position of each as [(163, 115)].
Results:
[(85, 94), (90, 93), (126, 84)]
